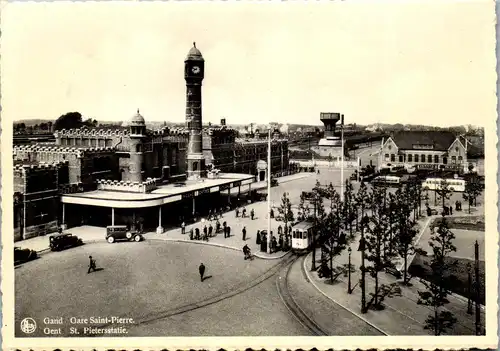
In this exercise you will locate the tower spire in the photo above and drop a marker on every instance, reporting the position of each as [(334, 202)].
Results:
[(194, 43)]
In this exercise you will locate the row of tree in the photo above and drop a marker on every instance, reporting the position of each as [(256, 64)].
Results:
[(387, 224), (68, 120)]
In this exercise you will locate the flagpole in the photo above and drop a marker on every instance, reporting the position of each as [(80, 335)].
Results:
[(342, 160), (269, 190)]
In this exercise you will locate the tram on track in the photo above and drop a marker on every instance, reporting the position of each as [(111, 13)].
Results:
[(302, 236)]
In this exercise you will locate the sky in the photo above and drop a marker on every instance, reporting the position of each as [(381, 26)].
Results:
[(429, 62)]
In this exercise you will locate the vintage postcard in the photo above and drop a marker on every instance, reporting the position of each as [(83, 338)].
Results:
[(234, 175)]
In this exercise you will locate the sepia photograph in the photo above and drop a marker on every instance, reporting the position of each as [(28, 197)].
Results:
[(274, 172)]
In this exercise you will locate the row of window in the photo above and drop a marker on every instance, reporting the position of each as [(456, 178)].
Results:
[(422, 158)]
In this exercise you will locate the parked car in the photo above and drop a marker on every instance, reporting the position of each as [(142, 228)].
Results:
[(121, 232), (63, 241), (23, 255)]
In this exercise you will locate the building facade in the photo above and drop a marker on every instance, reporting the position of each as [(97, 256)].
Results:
[(36, 197), (424, 150)]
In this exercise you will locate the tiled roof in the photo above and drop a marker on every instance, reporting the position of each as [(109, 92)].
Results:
[(440, 139)]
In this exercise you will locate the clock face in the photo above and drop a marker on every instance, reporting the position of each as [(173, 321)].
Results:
[(196, 69)]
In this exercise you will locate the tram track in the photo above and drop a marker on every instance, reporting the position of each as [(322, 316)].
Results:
[(239, 289), (291, 304)]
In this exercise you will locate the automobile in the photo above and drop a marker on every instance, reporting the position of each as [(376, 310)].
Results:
[(63, 241), (23, 255), (274, 181), (121, 232)]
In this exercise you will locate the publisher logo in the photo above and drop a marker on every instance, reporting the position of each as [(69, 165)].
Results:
[(28, 325)]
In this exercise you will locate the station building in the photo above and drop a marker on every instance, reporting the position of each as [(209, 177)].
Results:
[(439, 150), (135, 176)]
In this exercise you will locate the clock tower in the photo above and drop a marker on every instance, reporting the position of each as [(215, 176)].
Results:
[(194, 71)]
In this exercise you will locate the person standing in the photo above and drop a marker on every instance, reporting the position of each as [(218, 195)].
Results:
[(228, 231), (201, 269), (205, 230), (244, 232), (252, 214), (92, 265), (257, 240), (183, 228), (237, 211), (191, 234), (197, 232), (210, 230)]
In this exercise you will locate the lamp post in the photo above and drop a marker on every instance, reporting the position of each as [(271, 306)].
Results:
[(469, 288), (349, 290), (342, 159)]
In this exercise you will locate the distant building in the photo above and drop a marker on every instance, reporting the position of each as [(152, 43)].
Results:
[(424, 150)]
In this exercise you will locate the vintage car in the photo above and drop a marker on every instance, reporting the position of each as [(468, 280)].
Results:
[(23, 255), (63, 241), (121, 232)]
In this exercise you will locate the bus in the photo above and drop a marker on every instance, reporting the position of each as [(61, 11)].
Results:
[(390, 181), (454, 184)]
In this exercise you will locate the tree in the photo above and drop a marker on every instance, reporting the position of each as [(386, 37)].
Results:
[(444, 191), (304, 211), (435, 296), (285, 211), (91, 123), (334, 239), (472, 190), (375, 240), (363, 200), (68, 121), (349, 204), (405, 231)]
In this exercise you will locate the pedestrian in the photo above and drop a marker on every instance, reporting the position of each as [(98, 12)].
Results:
[(183, 228), (92, 265), (257, 240), (244, 232), (280, 242), (244, 213), (252, 214), (191, 234), (272, 213), (210, 230), (246, 252), (228, 231), (201, 269), (205, 230), (237, 211), (197, 233), (217, 226), (451, 210)]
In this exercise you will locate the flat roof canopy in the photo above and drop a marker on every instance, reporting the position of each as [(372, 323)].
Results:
[(162, 195)]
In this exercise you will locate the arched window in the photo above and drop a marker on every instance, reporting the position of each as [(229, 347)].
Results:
[(453, 159), (416, 158), (410, 158), (436, 159), (429, 158), (460, 159)]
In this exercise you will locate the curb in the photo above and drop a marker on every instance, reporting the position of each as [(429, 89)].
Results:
[(188, 242), (347, 309)]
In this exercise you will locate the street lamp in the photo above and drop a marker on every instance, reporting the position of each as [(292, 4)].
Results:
[(349, 290)]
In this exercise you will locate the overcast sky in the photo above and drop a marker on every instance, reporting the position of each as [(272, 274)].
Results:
[(426, 62)]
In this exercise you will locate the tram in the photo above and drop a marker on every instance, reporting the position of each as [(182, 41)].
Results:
[(302, 236)]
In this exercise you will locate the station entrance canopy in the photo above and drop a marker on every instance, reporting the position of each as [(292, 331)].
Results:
[(164, 194)]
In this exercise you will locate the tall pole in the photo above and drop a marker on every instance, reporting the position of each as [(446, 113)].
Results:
[(269, 191), (342, 160), (478, 289), (313, 264), (349, 290)]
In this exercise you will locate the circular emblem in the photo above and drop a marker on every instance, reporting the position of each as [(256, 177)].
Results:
[(28, 325), (195, 69)]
